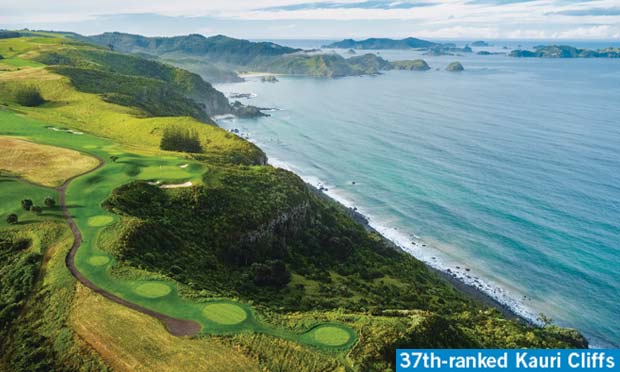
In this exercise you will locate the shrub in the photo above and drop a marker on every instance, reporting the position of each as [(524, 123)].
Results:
[(12, 219), (29, 96), (180, 139), (49, 202), (27, 204)]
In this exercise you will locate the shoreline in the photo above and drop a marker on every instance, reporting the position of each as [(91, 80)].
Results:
[(469, 290), (460, 277)]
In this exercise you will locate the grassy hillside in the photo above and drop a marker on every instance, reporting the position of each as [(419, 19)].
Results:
[(277, 277)]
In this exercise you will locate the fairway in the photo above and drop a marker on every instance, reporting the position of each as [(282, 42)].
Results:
[(98, 260), (42, 164), (153, 290), (225, 313), (98, 221)]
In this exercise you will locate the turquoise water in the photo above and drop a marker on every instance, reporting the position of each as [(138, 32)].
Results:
[(510, 169)]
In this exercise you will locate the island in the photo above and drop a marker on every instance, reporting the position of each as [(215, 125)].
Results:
[(382, 43), (480, 43), (565, 51), (415, 65)]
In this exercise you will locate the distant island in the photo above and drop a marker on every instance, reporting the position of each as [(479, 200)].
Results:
[(565, 51), (217, 58), (480, 43), (382, 43)]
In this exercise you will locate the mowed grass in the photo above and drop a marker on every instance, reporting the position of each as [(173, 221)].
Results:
[(42, 164), (153, 290), (330, 335), (225, 313)]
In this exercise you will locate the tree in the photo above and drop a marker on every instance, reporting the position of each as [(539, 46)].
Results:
[(271, 273), (12, 219), (114, 158), (36, 209), (49, 202), (29, 96), (180, 139), (27, 204)]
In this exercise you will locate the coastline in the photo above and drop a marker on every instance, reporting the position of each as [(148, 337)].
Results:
[(479, 290), (469, 290)]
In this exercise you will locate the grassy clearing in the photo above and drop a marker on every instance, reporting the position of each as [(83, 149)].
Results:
[(128, 340), (42, 164)]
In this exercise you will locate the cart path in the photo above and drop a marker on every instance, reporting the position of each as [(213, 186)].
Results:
[(177, 327)]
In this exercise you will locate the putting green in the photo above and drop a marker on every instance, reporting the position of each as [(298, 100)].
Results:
[(152, 290), (330, 335), (98, 221), (98, 260), (225, 313)]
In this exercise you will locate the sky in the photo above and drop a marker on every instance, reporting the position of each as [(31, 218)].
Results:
[(339, 19)]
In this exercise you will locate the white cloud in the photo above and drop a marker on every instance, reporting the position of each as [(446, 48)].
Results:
[(448, 19)]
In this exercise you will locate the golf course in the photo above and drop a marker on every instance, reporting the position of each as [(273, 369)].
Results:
[(137, 235), (84, 197)]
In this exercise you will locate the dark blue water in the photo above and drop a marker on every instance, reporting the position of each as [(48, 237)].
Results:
[(510, 169)]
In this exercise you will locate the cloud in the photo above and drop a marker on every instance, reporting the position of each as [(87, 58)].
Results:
[(370, 4), (330, 19), (588, 12)]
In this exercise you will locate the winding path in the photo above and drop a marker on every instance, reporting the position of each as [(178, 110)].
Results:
[(177, 327)]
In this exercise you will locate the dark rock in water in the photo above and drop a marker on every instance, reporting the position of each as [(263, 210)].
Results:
[(467, 269), (269, 79), (246, 111), (467, 49), (455, 67), (240, 95), (353, 183)]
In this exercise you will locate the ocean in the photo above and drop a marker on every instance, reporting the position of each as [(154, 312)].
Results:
[(508, 173)]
